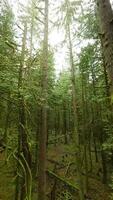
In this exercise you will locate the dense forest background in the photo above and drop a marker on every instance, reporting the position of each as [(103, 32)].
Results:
[(56, 117)]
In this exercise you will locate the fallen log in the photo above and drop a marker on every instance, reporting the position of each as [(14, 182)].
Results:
[(63, 181)]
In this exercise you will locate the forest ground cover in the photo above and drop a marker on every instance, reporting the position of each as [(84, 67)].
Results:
[(59, 155)]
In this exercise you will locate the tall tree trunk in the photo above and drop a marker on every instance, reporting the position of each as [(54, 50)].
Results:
[(37, 141), (89, 148), (22, 113), (7, 126), (7, 120), (32, 21), (65, 123), (105, 13), (75, 119), (84, 132), (43, 132), (33, 5), (56, 125), (22, 136), (94, 113)]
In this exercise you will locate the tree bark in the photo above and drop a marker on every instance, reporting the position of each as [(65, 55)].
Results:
[(84, 131), (7, 121), (75, 119), (105, 13), (23, 145), (43, 132), (65, 123)]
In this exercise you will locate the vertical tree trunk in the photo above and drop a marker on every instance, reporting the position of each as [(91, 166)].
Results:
[(33, 5), (22, 136), (6, 127), (89, 148), (103, 156), (65, 124), (22, 113), (55, 126), (37, 141), (94, 113), (84, 131), (43, 132), (105, 13), (7, 121), (32, 25), (75, 119), (58, 121)]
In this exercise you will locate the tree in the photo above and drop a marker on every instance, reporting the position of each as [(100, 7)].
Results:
[(69, 12), (23, 146), (8, 71), (43, 132), (105, 14), (75, 119)]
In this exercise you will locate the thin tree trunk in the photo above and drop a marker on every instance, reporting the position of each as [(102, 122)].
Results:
[(75, 118), (7, 119), (43, 132), (89, 147), (65, 124), (95, 148), (22, 136), (84, 131), (94, 108), (37, 141)]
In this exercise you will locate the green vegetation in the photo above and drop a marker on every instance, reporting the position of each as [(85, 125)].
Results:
[(56, 138)]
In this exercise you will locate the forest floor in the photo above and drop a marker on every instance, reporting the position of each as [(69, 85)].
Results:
[(7, 182), (97, 190), (64, 155)]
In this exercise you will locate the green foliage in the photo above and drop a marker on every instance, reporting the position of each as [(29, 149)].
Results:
[(88, 22), (94, 109), (62, 90)]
